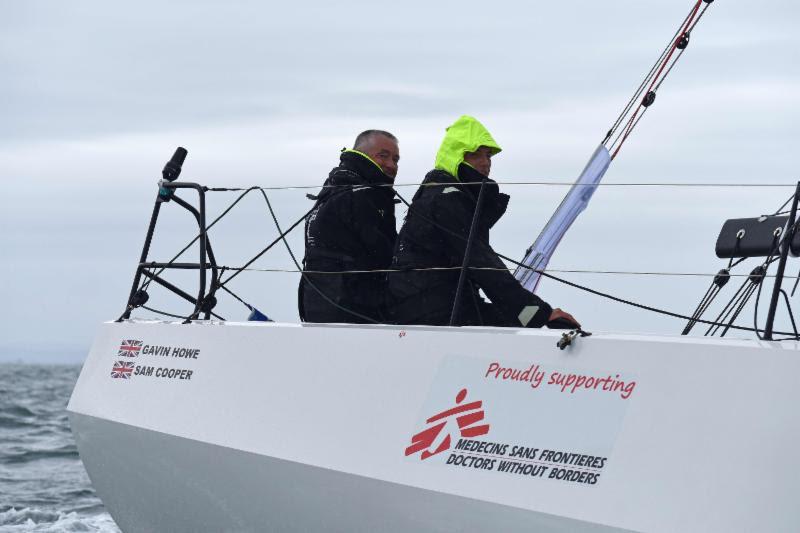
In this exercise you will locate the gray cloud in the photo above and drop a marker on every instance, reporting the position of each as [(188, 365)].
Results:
[(91, 68)]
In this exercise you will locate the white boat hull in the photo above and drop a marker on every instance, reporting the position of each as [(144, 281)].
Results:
[(173, 484), (270, 427)]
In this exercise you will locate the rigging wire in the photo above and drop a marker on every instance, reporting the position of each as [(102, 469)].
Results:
[(548, 274), (720, 280), (643, 306), (282, 235), (665, 67), (779, 211), (652, 90), (227, 210), (655, 77), (646, 79), (556, 278), (688, 33), (267, 248), (236, 296), (576, 285), (216, 286), (304, 276), (704, 304)]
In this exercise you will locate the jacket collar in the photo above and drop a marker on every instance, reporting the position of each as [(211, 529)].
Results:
[(354, 169), (365, 167), (495, 203)]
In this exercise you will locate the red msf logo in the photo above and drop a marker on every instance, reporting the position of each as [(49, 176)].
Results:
[(432, 438)]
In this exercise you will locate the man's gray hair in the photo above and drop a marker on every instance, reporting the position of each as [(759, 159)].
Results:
[(365, 137)]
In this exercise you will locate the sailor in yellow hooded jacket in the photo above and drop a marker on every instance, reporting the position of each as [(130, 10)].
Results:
[(435, 234)]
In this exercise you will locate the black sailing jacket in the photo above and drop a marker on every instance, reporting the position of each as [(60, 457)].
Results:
[(351, 228), (434, 235)]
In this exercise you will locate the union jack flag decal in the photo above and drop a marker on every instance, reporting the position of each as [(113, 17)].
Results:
[(129, 348), (122, 370)]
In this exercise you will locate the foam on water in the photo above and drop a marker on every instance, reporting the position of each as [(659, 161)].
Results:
[(31, 519), (43, 485)]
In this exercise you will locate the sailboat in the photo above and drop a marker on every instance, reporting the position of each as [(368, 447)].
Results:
[(204, 424)]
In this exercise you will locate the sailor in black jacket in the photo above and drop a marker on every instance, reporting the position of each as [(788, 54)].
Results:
[(435, 234), (352, 228)]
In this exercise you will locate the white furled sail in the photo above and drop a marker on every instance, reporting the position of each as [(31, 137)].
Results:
[(573, 204)]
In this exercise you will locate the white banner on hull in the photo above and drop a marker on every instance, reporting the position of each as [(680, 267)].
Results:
[(522, 418)]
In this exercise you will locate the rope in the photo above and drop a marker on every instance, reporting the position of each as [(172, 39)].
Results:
[(633, 122), (647, 78), (152, 310), (780, 209), (555, 278), (247, 305), (701, 308), (305, 277), (643, 306), (547, 274), (582, 287), (657, 80), (719, 281), (265, 250)]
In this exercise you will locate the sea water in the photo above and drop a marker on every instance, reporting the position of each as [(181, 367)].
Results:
[(43, 485)]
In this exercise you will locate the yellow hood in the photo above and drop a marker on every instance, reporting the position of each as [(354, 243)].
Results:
[(465, 135)]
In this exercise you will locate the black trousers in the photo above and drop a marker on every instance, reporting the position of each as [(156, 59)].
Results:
[(337, 299)]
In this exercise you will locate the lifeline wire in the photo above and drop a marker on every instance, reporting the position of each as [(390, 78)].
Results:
[(555, 278), (540, 183), (224, 212), (247, 190), (446, 268)]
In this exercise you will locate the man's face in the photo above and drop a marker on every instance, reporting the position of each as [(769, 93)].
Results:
[(386, 153), (480, 159)]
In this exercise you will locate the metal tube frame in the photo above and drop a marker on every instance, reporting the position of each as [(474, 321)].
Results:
[(462, 277), (787, 243), (207, 260)]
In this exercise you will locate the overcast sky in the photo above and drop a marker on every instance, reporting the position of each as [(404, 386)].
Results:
[(95, 96)]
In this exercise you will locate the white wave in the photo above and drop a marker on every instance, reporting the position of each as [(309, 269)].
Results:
[(43, 521)]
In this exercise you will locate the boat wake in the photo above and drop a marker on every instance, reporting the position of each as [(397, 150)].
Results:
[(34, 519)]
